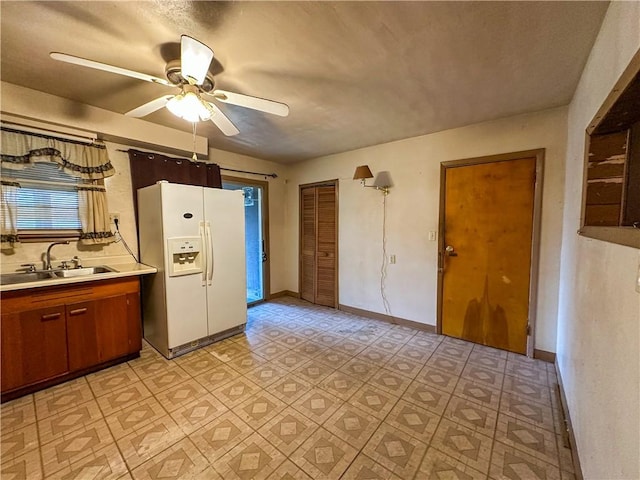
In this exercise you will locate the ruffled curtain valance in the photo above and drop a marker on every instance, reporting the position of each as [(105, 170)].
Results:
[(89, 162)]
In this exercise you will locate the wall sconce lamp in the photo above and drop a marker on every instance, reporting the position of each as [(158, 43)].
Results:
[(382, 181)]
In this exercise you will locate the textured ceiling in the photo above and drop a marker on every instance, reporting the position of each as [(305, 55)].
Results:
[(354, 74)]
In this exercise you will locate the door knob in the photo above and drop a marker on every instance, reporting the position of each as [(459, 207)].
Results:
[(449, 251)]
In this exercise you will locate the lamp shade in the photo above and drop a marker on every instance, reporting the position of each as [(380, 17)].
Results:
[(362, 172)]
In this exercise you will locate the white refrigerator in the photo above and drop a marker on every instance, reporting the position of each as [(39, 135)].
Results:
[(194, 236)]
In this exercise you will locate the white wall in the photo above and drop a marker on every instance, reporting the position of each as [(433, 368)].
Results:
[(598, 350), (54, 110), (412, 211)]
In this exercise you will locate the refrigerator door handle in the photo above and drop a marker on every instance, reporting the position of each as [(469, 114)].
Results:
[(204, 254), (210, 259)]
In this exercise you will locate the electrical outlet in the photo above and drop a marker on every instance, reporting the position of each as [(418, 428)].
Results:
[(432, 236), (113, 217), (392, 259)]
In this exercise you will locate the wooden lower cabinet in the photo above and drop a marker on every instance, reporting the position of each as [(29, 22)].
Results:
[(65, 331)]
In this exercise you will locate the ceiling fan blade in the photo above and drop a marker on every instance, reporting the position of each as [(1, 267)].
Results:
[(149, 107), (221, 120), (195, 58), (83, 62), (255, 103)]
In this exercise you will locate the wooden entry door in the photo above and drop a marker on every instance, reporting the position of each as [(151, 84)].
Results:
[(487, 232), (319, 244)]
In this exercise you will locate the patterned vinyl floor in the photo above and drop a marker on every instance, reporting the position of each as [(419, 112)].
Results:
[(306, 393)]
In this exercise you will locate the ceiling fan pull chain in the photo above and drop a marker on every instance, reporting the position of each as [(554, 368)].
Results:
[(194, 157)]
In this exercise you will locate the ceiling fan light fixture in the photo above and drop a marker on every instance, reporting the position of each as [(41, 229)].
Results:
[(189, 106), (195, 60)]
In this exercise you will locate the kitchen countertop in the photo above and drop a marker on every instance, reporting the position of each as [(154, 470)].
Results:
[(120, 270)]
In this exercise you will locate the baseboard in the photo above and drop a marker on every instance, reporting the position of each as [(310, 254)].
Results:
[(544, 356), (569, 428), (388, 318), (284, 293)]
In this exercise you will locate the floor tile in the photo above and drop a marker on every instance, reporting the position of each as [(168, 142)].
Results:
[(374, 401), (18, 442), (486, 360), (288, 430), (66, 451), (436, 465), (164, 380), (529, 372), (253, 458), (536, 441), (198, 413), (341, 385), (199, 364), (464, 444), (62, 397), (415, 353), (215, 378), (395, 450), (352, 424), (524, 409), (413, 420), (427, 396), (360, 369), (236, 391), (483, 375), (374, 355), (363, 468), (288, 471), (180, 394), (437, 378), (270, 350), (317, 405), (24, 467), (131, 419), (181, 461), (259, 409), (17, 414), (478, 392), (333, 358), (530, 390), (105, 463), (290, 388), (509, 463), (324, 456), (404, 366), (148, 440), (76, 418), (390, 381), (446, 363), (226, 350), (221, 435), (266, 374), (117, 379), (472, 415), (120, 399), (154, 366)]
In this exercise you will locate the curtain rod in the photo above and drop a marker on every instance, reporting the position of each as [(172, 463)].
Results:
[(272, 175), (89, 138)]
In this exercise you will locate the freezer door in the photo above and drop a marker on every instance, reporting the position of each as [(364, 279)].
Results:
[(182, 216), (227, 292)]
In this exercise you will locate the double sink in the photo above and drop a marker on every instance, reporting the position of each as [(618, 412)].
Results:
[(39, 275)]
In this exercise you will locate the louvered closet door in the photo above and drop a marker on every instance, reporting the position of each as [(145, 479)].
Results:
[(318, 264)]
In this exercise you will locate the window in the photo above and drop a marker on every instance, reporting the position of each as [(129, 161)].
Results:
[(47, 200), (611, 197)]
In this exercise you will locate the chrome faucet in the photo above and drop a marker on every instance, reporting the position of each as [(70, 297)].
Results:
[(48, 255)]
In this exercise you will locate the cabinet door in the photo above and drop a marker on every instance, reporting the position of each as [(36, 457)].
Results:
[(97, 331), (82, 337), (34, 346)]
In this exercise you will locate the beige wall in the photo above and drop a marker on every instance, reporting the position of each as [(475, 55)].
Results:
[(599, 311), (412, 211)]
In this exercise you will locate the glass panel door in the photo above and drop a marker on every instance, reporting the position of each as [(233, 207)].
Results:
[(254, 195)]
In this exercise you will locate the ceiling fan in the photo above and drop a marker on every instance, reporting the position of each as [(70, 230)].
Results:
[(191, 75)]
